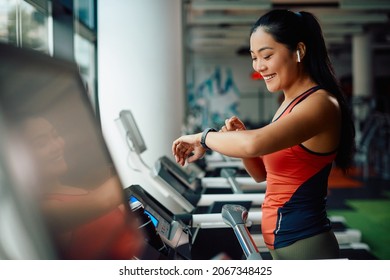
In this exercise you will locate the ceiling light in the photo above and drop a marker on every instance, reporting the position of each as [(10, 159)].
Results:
[(223, 5)]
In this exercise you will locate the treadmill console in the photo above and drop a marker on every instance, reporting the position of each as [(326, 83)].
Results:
[(190, 181), (172, 232), (164, 170), (161, 225), (182, 240)]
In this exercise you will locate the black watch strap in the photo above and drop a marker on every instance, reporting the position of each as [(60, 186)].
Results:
[(204, 135)]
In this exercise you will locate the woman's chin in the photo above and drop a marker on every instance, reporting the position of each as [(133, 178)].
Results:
[(59, 169), (272, 89)]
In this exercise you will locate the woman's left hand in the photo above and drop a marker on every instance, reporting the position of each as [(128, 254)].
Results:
[(184, 146)]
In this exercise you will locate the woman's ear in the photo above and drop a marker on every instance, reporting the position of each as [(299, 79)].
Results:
[(301, 51)]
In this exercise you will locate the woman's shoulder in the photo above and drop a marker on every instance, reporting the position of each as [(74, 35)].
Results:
[(323, 100), (321, 107)]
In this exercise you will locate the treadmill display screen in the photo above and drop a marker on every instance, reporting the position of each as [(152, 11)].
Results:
[(154, 220), (133, 199), (51, 141)]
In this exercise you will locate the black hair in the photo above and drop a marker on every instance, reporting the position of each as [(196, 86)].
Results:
[(290, 28)]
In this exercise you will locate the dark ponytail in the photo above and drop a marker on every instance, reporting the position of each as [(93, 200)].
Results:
[(290, 28)]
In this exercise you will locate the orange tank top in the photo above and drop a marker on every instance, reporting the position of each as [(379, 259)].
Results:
[(295, 202)]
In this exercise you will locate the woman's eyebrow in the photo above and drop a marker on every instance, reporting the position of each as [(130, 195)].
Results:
[(262, 49)]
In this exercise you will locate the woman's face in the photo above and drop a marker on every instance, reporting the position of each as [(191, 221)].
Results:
[(274, 61), (47, 147)]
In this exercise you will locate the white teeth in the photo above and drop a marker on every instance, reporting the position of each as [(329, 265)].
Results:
[(269, 77), (58, 158)]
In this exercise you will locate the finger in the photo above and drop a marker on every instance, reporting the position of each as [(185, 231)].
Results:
[(174, 149), (182, 161), (180, 147), (185, 149), (237, 123), (178, 152), (187, 153), (197, 155), (228, 124), (174, 146), (234, 118)]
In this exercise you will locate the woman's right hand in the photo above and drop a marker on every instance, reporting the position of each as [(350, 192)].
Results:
[(233, 124), (254, 166)]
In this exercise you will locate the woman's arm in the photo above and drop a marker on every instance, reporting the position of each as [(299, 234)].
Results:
[(316, 115), (254, 166), (64, 215)]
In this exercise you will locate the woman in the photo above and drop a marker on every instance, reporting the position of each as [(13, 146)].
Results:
[(294, 153), (85, 223)]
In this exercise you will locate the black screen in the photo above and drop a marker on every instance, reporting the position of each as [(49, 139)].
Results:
[(57, 156)]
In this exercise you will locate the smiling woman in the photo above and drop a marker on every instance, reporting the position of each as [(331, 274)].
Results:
[(295, 152), (47, 147), (276, 63)]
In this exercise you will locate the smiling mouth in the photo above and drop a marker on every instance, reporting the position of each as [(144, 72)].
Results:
[(269, 77), (58, 158)]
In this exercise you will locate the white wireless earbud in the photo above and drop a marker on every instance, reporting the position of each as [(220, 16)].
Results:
[(299, 56)]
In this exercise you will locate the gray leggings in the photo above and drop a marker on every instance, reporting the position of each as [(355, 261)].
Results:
[(320, 246)]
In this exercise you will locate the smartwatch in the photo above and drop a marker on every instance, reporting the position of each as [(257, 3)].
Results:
[(203, 138)]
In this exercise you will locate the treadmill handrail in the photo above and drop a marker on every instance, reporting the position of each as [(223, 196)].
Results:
[(235, 216), (229, 173)]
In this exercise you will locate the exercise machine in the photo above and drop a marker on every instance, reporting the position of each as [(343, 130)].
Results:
[(195, 240), (166, 188), (235, 216), (227, 182), (181, 240), (207, 202), (172, 174)]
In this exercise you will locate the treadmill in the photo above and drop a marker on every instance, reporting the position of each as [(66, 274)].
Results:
[(216, 161), (227, 181), (201, 204), (165, 187), (187, 242), (173, 175)]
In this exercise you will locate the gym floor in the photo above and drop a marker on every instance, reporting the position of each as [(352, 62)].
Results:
[(365, 204)]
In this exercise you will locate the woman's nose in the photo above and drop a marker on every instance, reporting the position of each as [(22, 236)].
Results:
[(260, 66), (57, 144)]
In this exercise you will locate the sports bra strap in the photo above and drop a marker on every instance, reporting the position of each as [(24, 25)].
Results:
[(300, 98), (296, 100)]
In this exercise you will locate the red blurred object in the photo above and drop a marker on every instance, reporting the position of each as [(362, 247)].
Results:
[(256, 76)]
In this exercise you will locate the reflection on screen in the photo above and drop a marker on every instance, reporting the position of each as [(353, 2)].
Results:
[(56, 153)]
